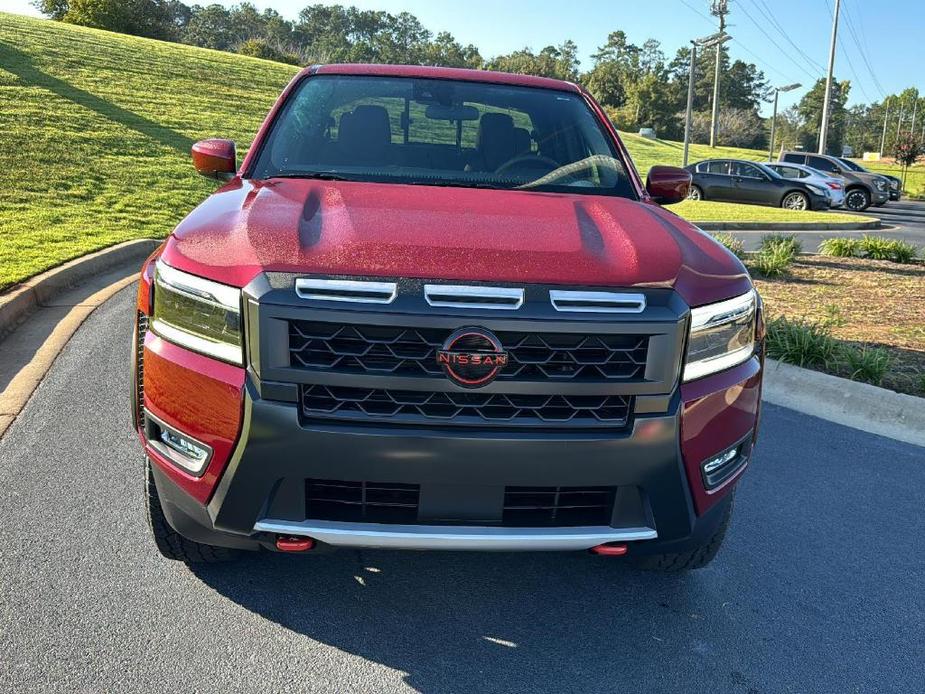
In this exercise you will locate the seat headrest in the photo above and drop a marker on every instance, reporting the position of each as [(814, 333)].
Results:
[(495, 139), (366, 126)]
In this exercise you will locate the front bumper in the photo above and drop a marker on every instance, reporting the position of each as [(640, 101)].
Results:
[(462, 478), (267, 452)]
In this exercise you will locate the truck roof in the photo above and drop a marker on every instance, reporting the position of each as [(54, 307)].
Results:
[(445, 73)]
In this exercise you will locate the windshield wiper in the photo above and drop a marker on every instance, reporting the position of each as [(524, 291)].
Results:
[(317, 175)]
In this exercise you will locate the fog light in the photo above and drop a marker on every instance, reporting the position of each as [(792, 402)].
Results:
[(716, 463), (725, 465), (183, 451)]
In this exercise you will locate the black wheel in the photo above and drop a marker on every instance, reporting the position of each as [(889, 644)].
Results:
[(795, 200), (172, 544), (695, 193), (857, 199), (687, 561)]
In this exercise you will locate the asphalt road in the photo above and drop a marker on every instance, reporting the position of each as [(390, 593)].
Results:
[(904, 220), (818, 589)]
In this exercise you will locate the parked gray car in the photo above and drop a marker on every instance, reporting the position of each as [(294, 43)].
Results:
[(862, 188), (895, 183), (800, 172)]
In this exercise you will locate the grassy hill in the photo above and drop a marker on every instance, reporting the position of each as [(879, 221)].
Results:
[(96, 127)]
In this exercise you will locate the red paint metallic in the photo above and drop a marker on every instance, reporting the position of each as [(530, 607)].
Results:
[(716, 412), (214, 158), (393, 230), (668, 184), (199, 396)]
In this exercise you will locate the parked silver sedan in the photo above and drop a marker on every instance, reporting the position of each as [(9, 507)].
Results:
[(834, 186)]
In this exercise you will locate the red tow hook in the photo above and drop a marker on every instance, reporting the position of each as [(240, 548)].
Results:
[(294, 543), (610, 550)]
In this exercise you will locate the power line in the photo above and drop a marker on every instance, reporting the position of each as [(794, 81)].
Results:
[(777, 45), (766, 11), (861, 50), (758, 58)]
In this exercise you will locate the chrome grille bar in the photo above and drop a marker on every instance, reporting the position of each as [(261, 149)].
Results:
[(597, 302), (361, 292), (459, 296)]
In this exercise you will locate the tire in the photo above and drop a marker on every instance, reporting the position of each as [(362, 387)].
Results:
[(687, 561), (857, 199), (695, 193), (172, 544), (795, 200)]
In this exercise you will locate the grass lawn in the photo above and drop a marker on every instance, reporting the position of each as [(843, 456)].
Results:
[(96, 127), (707, 211), (864, 303)]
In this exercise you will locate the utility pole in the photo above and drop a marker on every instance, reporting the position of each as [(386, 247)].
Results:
[(886, 116), (778, 90), (719, 8), (827, 102), (899, 123), (915, 107), (690, 103), (705, 43)]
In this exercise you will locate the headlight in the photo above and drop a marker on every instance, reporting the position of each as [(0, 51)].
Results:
[(721, 335), (894, 184), (202, 315), (881, 184)]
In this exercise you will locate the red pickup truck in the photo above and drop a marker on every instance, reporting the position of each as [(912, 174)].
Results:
[(439, 309)]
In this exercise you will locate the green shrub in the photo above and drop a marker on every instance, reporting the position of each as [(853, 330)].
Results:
[(736, 246), (868, 364), (841, 247), (772, 262), (782, 243), (877, 248), (801, 343), (903, 252)]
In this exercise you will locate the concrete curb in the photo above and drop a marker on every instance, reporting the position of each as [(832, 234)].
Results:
[(18, 391), (857, 405), (17, 303), (788, 226)]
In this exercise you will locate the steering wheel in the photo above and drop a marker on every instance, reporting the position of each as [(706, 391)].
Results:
[(531, 158)]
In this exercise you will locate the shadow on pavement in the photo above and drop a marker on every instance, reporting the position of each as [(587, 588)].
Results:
[(481, 622)]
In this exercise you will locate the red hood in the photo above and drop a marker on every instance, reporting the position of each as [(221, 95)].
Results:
[(388, 230)]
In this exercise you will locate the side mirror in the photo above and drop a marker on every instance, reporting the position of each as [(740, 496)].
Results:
[(668, 184), (215, 158)]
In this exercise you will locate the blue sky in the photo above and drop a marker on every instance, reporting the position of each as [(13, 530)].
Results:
[(887, 34)]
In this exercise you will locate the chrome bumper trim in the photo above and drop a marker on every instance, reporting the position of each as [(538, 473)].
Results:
[(454, 537)]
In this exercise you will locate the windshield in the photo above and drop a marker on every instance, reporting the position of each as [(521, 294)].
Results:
[(441, 132), (851, 165)]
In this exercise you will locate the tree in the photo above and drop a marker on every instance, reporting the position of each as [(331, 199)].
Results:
[(906, 151), (810, 110), (151, 18), (559, 62)]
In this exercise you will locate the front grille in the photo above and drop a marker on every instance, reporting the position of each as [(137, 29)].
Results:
[(557, 506), (140, 367), (361, 502), (399, 351), (458, 408)]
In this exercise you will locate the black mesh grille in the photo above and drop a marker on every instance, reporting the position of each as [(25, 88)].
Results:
[(423, 407), (397, 351), (140, 366), (558, 506), (361, 502)]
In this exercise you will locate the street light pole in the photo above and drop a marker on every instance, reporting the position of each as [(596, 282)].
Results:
[(690, 103), (827, 102), (778, 90)]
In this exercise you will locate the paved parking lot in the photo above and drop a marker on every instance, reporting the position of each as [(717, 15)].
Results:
[(904, 220), (819, 588)]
